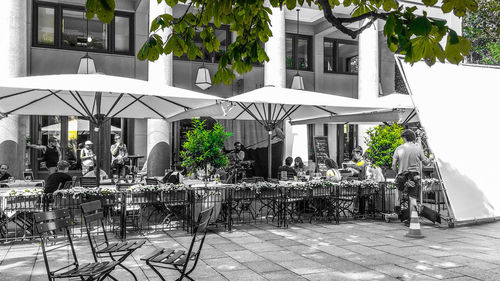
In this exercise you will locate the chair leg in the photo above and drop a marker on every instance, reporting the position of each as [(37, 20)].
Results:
[(155, 270), (122, 259)]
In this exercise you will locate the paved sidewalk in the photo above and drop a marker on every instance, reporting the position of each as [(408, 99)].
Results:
[(358, 250)]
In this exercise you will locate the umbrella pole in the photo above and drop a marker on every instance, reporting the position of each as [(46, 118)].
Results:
[(269, 155), (98, 164)]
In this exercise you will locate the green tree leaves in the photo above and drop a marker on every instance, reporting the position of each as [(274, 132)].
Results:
[(408, 32), (382, 141), (203, 147)]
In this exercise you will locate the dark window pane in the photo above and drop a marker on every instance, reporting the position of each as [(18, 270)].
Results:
[(45, 25), (122, 34), (74, 31), (329, 53), (289, 52), (347, 59), (302, 53)]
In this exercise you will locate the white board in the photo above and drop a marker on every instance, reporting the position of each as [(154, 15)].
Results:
[(459, 108)]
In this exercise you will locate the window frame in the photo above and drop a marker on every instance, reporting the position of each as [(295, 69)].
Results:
[(229, 40), (295, 59), (335, 55), (58, 17)]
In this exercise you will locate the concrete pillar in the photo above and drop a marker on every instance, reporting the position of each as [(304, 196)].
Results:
[(275, 69), (13, 58), (368, 75), (158, 131)]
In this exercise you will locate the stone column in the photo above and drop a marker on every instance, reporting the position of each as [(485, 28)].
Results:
[(13, 55), (368, 75), (158, 131), (275, 69)]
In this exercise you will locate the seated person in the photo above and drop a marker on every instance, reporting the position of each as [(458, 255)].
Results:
[(4, 175), (299, 166), (359, 166), (332, 172), (59, 178), (174, 177), (374, 173), (288, 168)]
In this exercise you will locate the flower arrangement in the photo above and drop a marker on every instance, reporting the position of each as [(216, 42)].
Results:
[(80, 192), (159, 187), (26, 192), (429, 183), (359, 184)]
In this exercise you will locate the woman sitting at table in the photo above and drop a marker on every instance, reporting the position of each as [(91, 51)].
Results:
[(332, 172), (299, 166), (290, 172), (174, 177), (4, 175)]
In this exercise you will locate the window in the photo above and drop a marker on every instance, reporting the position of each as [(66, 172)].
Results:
[(224, 36), (340, 56), (65, 27), (298, 52)]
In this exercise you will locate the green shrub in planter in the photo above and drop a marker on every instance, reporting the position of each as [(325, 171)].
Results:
[(382, 140)]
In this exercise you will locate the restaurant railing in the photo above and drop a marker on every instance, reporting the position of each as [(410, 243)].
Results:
[(166, 207)]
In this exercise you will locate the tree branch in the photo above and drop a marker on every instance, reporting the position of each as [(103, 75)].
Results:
[(185, 13), (338, 22)]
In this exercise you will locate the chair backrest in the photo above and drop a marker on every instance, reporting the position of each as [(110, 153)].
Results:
[(47, 224), (93, 217), (67, 185), (151, 181), (199, 233), (88, 181)]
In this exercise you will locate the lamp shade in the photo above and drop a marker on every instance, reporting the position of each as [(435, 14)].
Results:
[(203, 79), (87, 65), (298, 82)]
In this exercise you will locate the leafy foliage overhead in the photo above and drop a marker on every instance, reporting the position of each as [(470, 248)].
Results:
[(382, 141), (482, 28), (407, 31), (203, 147)]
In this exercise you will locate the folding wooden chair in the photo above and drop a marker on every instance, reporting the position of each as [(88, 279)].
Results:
[(117, 251), (179, 259), (47, 224)]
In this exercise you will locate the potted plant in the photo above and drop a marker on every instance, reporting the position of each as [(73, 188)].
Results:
[(382, 141), (203, 150)]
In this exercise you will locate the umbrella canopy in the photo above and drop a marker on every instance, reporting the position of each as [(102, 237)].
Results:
[(399, 109), (91, 95), (77, 125), (271, 105), (95, 97)]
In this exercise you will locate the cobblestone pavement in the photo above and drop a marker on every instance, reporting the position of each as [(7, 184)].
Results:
[(359, 250)]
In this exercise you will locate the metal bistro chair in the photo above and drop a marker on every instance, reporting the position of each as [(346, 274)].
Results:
[(117, 251), (179, 259), (47, 224)]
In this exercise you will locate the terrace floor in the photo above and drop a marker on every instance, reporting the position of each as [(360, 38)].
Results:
[(356, 250)]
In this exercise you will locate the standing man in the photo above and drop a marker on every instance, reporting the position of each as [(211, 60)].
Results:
[(119, 155), (51, 154), (406, 161)]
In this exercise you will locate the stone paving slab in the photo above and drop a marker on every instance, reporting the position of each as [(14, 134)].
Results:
[(359, 250)]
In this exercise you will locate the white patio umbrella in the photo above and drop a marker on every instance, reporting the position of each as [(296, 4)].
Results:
[(271, 105), (79, 125), (399, 108), (95, 97)]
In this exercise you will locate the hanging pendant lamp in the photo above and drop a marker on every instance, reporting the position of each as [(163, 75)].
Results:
[(87, 65), (203, 80), (298, 80)]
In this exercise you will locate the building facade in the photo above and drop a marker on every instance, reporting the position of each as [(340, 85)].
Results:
[(51, 36)]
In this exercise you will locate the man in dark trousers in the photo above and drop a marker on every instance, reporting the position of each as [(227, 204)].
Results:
[(58, 179), (406, 161)]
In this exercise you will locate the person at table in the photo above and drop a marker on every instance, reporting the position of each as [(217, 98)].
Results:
[(119, 155), (332, 172), (238, 154), (406, 162), (51, 154), (299, 166), (175, 176), (358, 168), (57, 180), (4, 175), (290, 172), (87, 157)]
